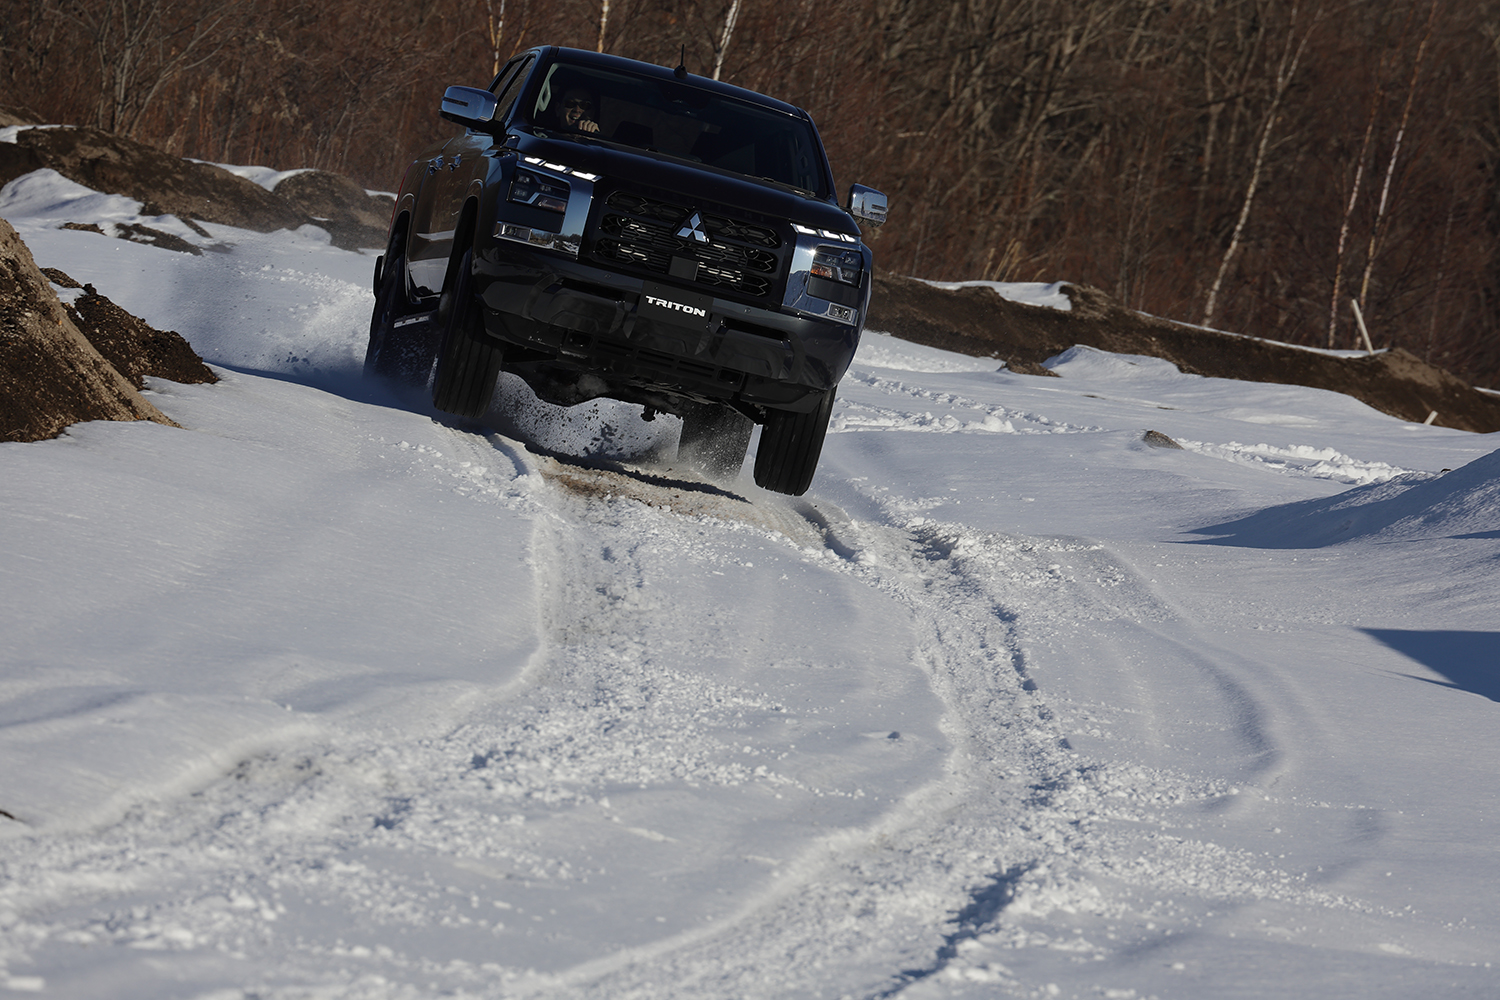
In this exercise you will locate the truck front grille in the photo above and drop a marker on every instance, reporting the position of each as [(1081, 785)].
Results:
[(642, 233)]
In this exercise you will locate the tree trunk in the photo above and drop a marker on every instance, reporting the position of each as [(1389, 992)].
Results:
[(1285, 70)]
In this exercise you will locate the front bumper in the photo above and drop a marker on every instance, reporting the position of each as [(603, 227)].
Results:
[(584, 318)]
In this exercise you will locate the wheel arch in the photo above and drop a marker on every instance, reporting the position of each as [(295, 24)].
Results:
[(399, 234), (464, 233)]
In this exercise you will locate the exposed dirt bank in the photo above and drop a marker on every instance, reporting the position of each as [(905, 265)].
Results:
[(978, 322), (170, 185), (50, 374)]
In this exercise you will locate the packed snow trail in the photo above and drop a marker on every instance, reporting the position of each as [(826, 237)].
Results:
[(688, 780)]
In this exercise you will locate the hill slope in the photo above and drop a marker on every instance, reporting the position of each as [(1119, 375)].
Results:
[(975, 320)]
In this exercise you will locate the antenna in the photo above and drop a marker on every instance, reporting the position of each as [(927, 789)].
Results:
[(681, 71)]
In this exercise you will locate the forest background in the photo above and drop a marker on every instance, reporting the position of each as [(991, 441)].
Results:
[(1253, 165)]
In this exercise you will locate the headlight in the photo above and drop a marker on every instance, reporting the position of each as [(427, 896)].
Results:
[(838, 264), (542, 192)]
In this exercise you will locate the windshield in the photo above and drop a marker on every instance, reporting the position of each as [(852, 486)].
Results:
[(680, 120)]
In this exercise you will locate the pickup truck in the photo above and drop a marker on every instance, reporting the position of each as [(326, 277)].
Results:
[(609, 228)]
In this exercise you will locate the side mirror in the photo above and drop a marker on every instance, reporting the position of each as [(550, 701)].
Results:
[(866, 204), (469, 106)]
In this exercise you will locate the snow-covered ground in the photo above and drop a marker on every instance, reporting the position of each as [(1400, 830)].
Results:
[(326, 696)]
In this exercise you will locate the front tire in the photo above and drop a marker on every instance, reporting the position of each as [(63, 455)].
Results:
[(468, 361), (790, 444)]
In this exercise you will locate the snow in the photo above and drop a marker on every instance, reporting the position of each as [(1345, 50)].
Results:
[(266, 177), (9, 132), (1033, 293), (328, 696)]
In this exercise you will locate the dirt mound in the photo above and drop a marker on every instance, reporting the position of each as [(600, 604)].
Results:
[(11, 115), (978, 322), (134, 347), (353, 217), (170, 185), (164, 184), (50, 375)]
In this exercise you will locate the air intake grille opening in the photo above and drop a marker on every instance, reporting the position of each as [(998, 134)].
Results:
[(641, 232)]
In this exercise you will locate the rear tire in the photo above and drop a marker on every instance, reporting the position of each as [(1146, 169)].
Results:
[(715, 439), (468, 362), (402, 354), (790, 444)]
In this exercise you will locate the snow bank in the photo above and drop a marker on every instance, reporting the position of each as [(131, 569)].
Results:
[(1464, 503)]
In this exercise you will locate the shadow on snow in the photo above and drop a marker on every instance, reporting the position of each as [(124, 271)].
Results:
[(1470, 661)]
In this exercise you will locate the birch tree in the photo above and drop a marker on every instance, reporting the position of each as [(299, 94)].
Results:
[(1338, 259), (494, 23), (1286, 68), (1378, 229), (723, 45)]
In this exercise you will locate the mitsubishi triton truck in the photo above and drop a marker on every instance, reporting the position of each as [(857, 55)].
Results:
[(609, 228)]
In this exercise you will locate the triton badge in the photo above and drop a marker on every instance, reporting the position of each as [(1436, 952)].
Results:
[(677, 306)]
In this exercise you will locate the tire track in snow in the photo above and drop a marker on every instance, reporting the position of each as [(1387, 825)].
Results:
[(1020, 830), (875, 900), (855, 416), (1084, 852)]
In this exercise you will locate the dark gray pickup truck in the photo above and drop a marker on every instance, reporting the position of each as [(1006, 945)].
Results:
[(610, 228)]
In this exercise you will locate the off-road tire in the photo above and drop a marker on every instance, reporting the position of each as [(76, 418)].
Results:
[(790, 444), (468, 362), (714, 439)]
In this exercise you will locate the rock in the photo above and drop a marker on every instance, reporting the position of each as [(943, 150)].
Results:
[(137, 233)]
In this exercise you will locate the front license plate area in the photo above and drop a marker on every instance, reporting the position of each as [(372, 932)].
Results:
[(675, 307)]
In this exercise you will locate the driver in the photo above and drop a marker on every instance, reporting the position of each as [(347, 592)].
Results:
[(579, 110)]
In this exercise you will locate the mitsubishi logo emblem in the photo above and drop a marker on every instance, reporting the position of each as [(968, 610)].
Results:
[(694, 227)]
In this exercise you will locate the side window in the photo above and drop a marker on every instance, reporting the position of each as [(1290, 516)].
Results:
[(503, 76), (510, 89)]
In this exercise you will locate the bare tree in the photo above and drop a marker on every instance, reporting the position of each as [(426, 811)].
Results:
[(141, 46), (1378, 230), (1291, 54), (494, 23), (1359, 172), (722, 47)]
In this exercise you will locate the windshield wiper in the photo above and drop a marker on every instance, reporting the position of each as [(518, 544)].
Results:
[(789, 187)]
